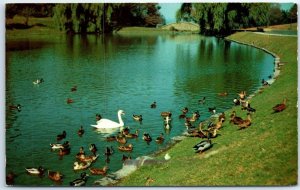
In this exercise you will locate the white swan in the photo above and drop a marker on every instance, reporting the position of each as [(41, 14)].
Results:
[(108, 124)]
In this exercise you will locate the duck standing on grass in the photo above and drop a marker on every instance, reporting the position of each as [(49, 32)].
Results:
[(80, 181), (280, 107), (245, 123), (202, 146)]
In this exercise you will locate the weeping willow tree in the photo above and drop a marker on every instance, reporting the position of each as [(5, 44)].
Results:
[(222, 18)]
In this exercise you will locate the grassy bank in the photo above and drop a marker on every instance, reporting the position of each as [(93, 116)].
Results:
[(263, 154)]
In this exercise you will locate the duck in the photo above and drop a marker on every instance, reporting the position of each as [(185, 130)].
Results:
[(153, 105), (90, 159), (202, 101), (236, 102), (147, 137), (218, 125), (38, 81), (17, 107), (202, 146), (69, 101), (80, 131), (182, 116), (160, 139), (93, 149), (55, 146), (110, 138), (280, 107), (109, 124), (137, 117), (99, 171), (124, 158), (80, 181), (242, 95), (212, 110), (167, 123), (35, 171), (98, 117), (245, 123), (223, 94), (64, 151), (264, 82), (167, 156), (125, 131), (165, 114), (211, 132), (80, 153), (109, 151), (234, 119), (121, 140), (185, 110), (244, 104), (133, 135), (74, 88), (222, 115), (54, 175), (61, 136), (81, 165), (125, 148)]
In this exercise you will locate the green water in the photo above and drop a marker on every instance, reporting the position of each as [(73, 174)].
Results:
[(114, 72)]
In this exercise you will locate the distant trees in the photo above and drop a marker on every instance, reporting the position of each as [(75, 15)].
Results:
[(99, 17), (222, 18)]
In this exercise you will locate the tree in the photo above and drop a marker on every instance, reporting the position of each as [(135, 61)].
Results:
[(293, 13), (275, 14)]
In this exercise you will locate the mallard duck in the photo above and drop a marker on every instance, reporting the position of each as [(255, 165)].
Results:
[(147, 137), (61, 136), (125, 131), (185, 110), (280, 107), (121, 140), (137, 117), (125, 148), (80, 181), (222, 115), (153, 105), (64, 151), (80, 131), (124, 158), (81, 165), (90, 159), (202, 146), (38, 81), (201, 101), (223, 94), (218, 125), (196, 114), (236, 102), (245, 123), (234, 119), (211, 132), (160, 139), (74, 88), (166, 113), (17, 107), (109, 151), (93, 149), (69, 101), (55, 176), (55, 146), (212, 110), (35, 171), (264, 82), (133, 135), (99, 171)]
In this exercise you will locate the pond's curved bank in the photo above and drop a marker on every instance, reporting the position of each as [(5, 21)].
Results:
[(259, 155)]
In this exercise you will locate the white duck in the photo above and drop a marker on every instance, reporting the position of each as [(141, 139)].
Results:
[(109, 124)]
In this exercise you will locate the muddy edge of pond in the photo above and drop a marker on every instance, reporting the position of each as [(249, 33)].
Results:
[(130, 166)]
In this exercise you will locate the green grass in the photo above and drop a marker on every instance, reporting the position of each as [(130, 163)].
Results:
[(264, 154)]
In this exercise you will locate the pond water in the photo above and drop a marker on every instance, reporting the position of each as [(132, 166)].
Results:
[(114, 72)]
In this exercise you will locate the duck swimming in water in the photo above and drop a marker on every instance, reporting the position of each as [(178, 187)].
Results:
[(61, 136), (55, 176), (35, 171), (99, 171), (153, 105)]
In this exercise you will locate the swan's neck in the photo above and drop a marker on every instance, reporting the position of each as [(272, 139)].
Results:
[(120, 120)]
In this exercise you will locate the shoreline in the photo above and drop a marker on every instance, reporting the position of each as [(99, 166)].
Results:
[(133, 165)]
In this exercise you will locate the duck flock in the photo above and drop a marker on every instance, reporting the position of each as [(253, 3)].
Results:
[(84, 160)]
